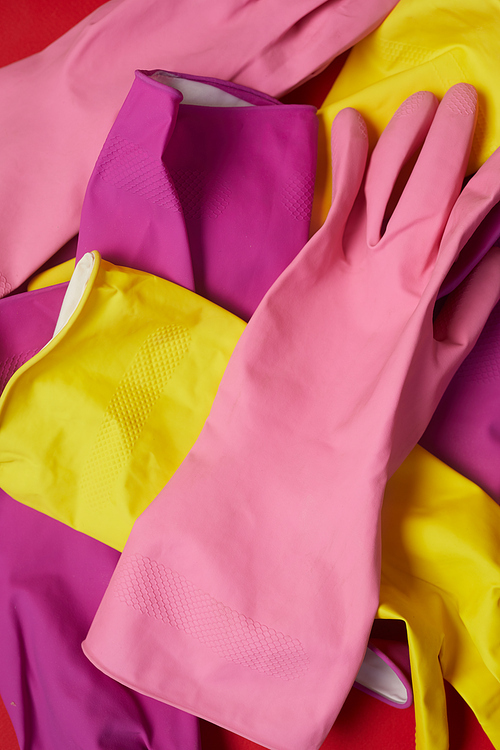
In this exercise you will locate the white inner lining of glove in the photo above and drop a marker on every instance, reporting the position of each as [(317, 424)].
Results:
[(375, 674), (75, 290), (201, 94)]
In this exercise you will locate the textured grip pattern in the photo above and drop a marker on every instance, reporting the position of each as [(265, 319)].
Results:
[(163, 594), (127, 166), (297, 196), (128, 410)]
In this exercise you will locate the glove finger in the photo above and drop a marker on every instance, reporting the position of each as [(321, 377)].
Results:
[(466, 310), (475, 208), (433, 187), (404, 134), (349, 143)]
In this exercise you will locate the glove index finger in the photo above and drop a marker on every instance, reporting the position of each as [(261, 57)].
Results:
[(349, 142)]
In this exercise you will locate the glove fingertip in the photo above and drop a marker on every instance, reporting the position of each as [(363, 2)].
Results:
[(349, 147), (461, 99)]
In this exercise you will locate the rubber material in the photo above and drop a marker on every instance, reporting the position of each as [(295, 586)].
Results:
[(59, 105), (90, 439), (440, 573), (211, 195), (315, 410)]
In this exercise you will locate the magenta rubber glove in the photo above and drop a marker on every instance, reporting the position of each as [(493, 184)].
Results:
[(247, 589), (386, 674), (131, 191), (51, 581), (464, 431), (58, 106), (27, 323), (236, 164), (485, 237)]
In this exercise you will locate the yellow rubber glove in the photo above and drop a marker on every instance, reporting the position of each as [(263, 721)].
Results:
[(55, 275), (441, 575), (95, 424), (422, 45)]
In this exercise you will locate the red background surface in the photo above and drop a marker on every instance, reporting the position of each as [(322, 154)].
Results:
[(26, 27)]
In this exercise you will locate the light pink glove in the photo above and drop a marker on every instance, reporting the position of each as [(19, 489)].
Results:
[(58, 106), (247, 590)]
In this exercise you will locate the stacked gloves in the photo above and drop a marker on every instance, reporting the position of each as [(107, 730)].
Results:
[(108, 432), (407, 53), (116, 429), (315, 410), (261, 479), (58, 106), (440, 574)]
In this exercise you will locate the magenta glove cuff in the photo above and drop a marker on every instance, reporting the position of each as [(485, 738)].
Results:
[(214, 196)]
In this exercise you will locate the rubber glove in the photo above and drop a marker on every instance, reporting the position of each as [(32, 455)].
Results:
[(26, 324), (34, 315), (90, 436), (385, 673), (58, 106), (238, 165), (133, 190), (27, 320), (51, 581), (51, 276), (465, 429), (247, 589), (409, 52), (440, 574)]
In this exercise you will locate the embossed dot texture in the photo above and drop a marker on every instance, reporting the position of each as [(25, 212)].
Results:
[(128, 167), (5, 287), (462, 100), (297, 195), (361, 124), (158, 592), (410, 105), (128, 410), (196, 190), (408, 54)]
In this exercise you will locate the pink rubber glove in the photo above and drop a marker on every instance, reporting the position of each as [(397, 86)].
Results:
[(59, 105), (247, 590)]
